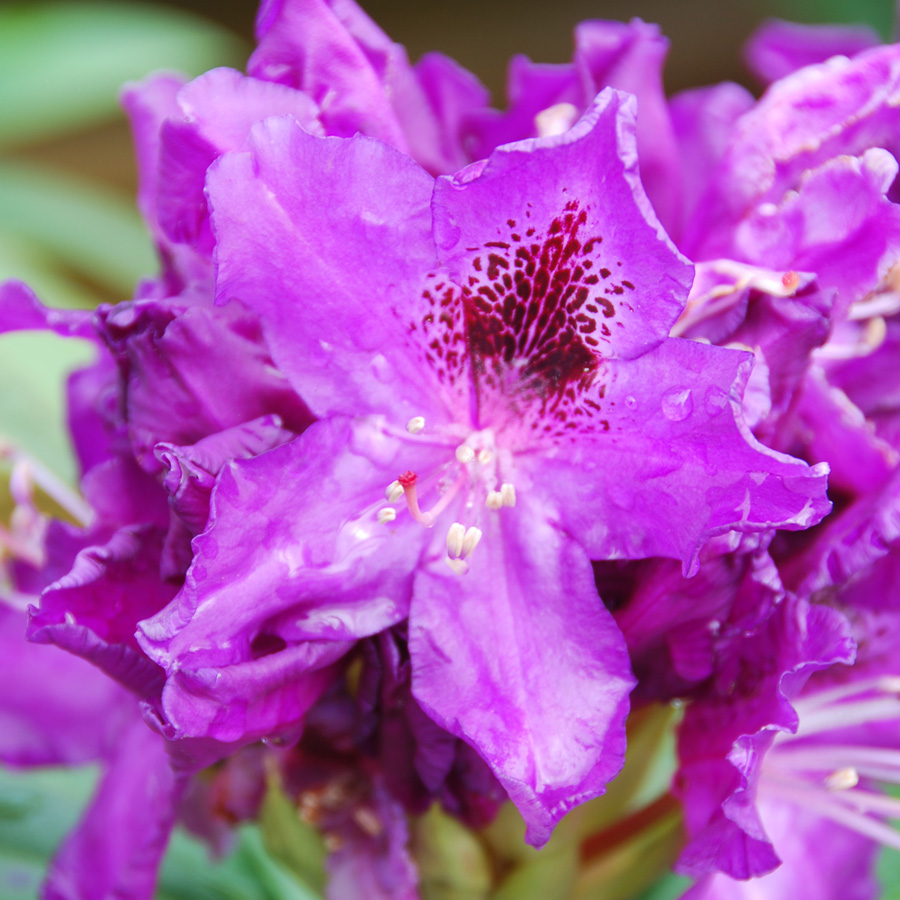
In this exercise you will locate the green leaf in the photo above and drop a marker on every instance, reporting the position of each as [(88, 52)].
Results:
[(37, 808), (289, 840), (550, 875), (62, 63), (93, 230), (669, 887), (452, 862), (27, 261), (247, 873), (32, 414), (877, 13)]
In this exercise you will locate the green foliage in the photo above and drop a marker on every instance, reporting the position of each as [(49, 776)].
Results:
[(298, 846), (33, 367), (61, 64), (40, 806), (70, 228)]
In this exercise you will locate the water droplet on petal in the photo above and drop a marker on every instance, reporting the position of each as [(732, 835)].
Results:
[(382, 370), (630, 402), (677, 404), (716, 400)]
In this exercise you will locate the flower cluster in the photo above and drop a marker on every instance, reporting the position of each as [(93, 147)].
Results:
[(446, 436)]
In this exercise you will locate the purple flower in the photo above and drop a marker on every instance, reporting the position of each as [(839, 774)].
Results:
[(488, 353), (809, 780), (777, 48)]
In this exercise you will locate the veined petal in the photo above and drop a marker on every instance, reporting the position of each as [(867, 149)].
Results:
[(330, 241), (521, 659), (694, 471), (566, 220)]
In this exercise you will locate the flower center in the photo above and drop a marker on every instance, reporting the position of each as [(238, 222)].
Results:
[(475, 470), (823, 770)]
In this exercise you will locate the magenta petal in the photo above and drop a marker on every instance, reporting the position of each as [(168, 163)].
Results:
[(778, 48), (630, 58), (191, 372), (20, 310), (54, 708), (334, 53), (216, 113), (521, 659), (292, 568), (116, 849), (693, 469), (93, 610), (334, 265), (573, 197)]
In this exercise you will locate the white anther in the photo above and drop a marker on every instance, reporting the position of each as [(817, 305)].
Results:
[(415, 424), (842, 779), (555, 119), (494, 500), (459, 566), (508, 494), (470, 542), (485, 456), (393, 492), (388, 514), (455, 538), (464, 454)]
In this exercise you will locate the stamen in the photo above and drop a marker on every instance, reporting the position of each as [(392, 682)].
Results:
[(464, 454), (485, 456), (408, 481), (415, 424), (860, 713), (393, 492), (555, 119), (828, 805), (494, 500), (842, 779), (53, 486), (455, 538), (388, 514), (880, 763), (470, 542), (459, 566), (508, 494), (889, 684)]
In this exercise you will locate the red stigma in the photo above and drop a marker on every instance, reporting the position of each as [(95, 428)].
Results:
[(407, 479), (790, 279)]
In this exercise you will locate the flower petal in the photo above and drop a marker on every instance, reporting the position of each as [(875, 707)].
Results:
[(116, 849), (335, 265), (292, 568), (693, 470), (521, 659)]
